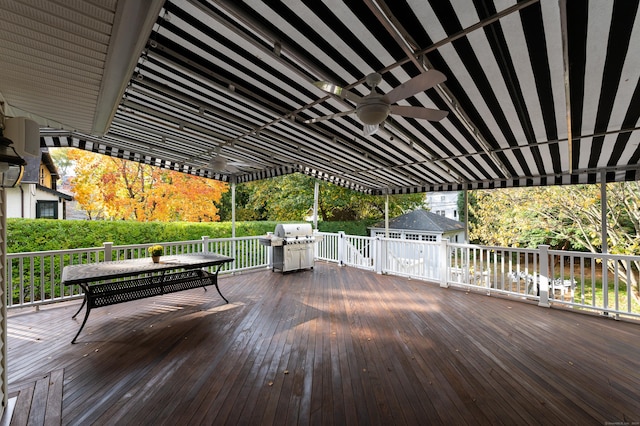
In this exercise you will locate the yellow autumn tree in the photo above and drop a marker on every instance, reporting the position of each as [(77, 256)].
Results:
[(112, 188)]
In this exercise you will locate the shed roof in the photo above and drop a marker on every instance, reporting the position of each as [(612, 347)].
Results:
[(424, 221)]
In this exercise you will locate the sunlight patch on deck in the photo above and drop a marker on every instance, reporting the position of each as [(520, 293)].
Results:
[(225, 307), (29, 333)]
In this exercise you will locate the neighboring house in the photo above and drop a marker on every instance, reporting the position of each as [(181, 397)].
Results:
[(443, 203), (421, 225), (37, 196)]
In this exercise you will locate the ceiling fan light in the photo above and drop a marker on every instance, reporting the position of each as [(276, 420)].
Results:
[(370, 129), (218, 164), (373, 114)]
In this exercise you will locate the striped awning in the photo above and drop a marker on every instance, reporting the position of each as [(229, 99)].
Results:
[(539, 92)]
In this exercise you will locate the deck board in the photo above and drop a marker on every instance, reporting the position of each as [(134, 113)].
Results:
[(333, 345)]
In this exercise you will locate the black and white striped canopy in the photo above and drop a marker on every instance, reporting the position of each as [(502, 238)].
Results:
[(539, 92)]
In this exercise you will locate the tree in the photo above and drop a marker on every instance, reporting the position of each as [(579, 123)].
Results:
[(512, 218), (290, 197), (88, 167), (563, 217), (471, 206), (62, 161), (243, 213), (112, 188)]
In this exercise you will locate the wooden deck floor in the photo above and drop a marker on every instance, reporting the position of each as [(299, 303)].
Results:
[(330, 346)]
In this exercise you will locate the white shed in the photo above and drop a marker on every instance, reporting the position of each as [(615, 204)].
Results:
[(421, 225)]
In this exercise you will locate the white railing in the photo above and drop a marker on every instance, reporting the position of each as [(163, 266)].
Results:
[(602, 283), (417, 259), (357, 251), (327, 246), (581, 281), (573, 279), (347, 250), (34, 278)]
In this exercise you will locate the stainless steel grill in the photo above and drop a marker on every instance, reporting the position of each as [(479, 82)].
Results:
[(292, 245)]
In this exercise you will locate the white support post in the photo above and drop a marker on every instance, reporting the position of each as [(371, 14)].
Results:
[(4, 290), (466, 216), (376, 254), (233, 222), (603, 212), (604, 237), (543, 277), (386, 216), (205, 243), (342, 241), (108, 251), (316, 192), (445, 262), (233, 208)]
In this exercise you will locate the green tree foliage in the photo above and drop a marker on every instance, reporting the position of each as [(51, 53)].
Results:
[(565, 217), (62, 161), (514, 218), (472, 203), (290, 198)]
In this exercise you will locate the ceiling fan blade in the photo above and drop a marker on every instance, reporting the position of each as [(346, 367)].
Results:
[(418, 112), (328, 117), (370, 129), (338, 91), (417, 84)]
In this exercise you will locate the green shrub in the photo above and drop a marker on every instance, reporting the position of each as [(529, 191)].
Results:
[(350, 228), (28, 235)]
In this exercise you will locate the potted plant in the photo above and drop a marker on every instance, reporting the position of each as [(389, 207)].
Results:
[(156, 251)]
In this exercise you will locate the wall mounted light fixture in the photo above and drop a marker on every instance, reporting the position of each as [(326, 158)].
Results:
[(11, 164)]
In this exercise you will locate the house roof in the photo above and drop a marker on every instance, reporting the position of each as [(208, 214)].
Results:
[(538, 92), (54, 192), (422, 220), (32, 169)]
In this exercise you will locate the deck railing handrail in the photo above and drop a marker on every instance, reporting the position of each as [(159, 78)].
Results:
[(34, 278), (593, 282)]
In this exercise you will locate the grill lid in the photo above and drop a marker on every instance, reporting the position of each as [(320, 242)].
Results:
[(293, 230)]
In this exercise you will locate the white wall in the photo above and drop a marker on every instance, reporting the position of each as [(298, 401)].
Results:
[(456, 237), (24, 200), (15, 201)]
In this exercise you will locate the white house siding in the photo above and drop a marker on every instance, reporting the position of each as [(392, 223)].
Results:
[(16, 205), (443, 203), (22, 201), (3, 302)]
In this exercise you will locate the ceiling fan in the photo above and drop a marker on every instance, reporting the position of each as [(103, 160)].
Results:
[(219, 163), (226, 165), (374, 108)]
